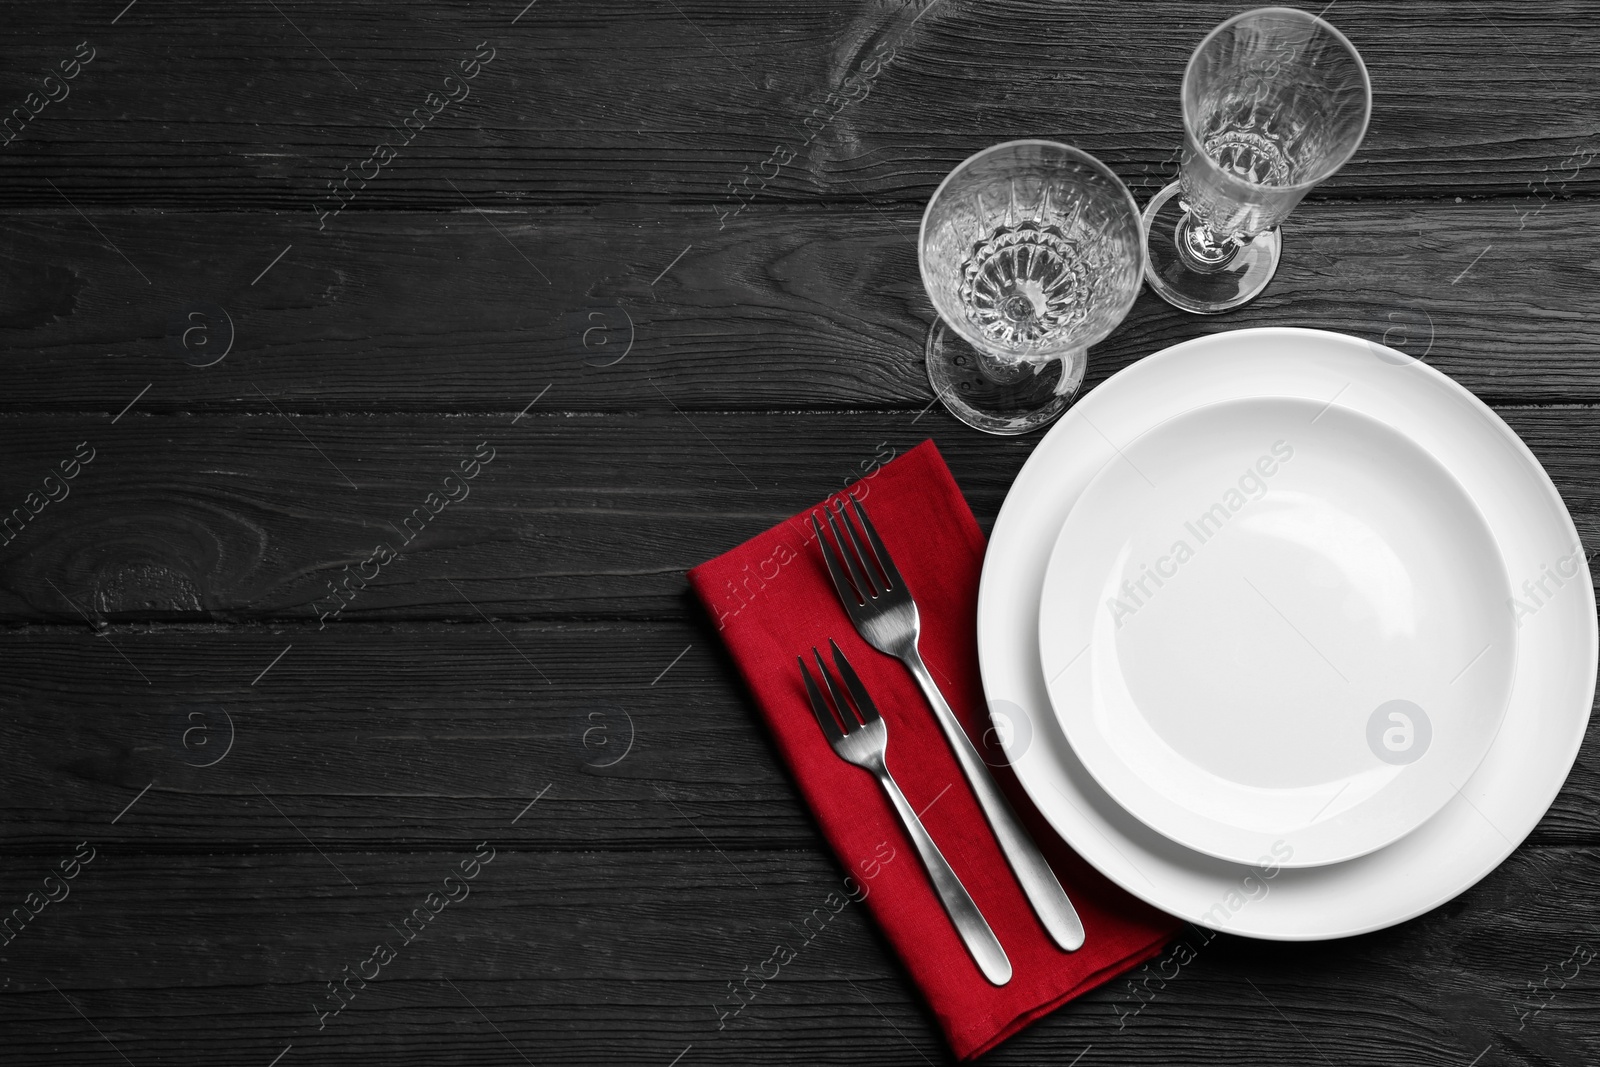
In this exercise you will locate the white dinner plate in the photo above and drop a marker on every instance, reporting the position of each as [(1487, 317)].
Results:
[(1552, 608), (1275, 622)]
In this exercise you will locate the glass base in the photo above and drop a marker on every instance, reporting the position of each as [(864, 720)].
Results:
[(1191, 274), (998, 397)]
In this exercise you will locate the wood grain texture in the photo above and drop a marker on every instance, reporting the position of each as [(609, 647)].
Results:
[(258, 106), (617, 309), (585, 958), (250, 518)]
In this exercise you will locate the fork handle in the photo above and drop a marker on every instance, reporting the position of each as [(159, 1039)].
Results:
[(969, 921), (1038, 881)]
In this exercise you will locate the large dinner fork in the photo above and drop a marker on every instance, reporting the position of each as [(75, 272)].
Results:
[(878, 602), (860, 737)]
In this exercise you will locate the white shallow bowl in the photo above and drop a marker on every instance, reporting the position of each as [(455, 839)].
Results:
[(1277, 622), (1553, 616)]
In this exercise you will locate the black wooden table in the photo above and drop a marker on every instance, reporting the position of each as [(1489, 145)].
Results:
[(555, 301)]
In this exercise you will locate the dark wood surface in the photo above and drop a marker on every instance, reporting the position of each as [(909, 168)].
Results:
[(165, 613)]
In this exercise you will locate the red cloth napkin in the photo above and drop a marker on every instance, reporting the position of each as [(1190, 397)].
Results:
[(772, 600)]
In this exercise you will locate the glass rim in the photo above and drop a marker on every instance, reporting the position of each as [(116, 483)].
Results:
[(1313, 20), (975, 339)]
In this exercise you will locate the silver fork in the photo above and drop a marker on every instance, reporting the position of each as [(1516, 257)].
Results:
[(878, 602), (864, 741)]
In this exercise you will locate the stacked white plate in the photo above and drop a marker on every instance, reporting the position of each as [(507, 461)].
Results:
[(1293, 636)]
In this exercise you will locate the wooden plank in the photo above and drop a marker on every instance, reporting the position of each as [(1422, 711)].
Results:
[(262, 106), (394, 736), (399, 738), (783, 309), (594, 958), (251, 518)]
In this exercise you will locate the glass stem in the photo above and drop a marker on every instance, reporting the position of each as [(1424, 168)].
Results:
[(1201, 250), (1002, 371)]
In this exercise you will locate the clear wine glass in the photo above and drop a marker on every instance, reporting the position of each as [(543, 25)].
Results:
[(1031, 251), (1274, 101)]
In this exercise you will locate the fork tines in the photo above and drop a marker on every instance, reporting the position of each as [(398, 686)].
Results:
[(853, 713), (871, 573)]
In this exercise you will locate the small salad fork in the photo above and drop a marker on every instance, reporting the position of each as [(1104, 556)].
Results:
[(858, 734)]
